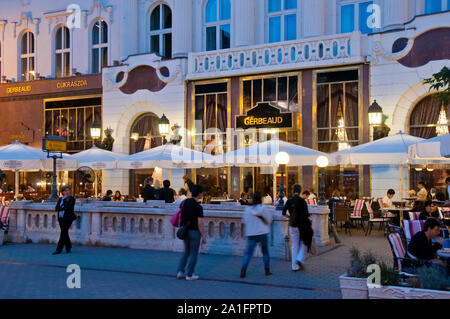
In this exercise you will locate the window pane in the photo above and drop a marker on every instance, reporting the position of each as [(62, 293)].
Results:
[(31, 47), (31, 66), (25, 43), (80, 124), (104, 57), (88, 122), (247, 96), (225, 36), (270, 90), (210, 38), (58, 43), (96, 33), (104, 32), (433, 6), (275, 29), (290, 4), (167, 17), (66, 64), (155, 19), (293, 93), (257, 91), (211, 11), (154, 44), (67, 38), (282, 91), (72, 123), (290, 27), (24, 69), (168, 45), (58, 65), (348, 18), (48, 123), (364, 16), (274, 5), (225, 10), (95, 68)]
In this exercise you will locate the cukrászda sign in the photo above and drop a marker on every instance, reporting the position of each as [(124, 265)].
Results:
[(264, 115)]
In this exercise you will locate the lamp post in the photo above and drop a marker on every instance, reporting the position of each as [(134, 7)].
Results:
[(164, 125), (375, 113), (282, 159), (322, 162)]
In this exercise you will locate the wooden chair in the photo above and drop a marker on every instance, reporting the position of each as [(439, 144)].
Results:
[(341, 215), (372, 220), (356, 214), (399, 252), (411, 227)]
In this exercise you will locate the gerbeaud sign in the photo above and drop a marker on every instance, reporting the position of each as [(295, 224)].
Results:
[(264, 115)]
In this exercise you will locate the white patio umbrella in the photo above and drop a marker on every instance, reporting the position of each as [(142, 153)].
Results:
[(66, 163), (435, 150), (264, 153), (97, 159), (168, 156), (390, 150)]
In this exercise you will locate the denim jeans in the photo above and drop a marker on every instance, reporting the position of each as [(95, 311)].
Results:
[(191, 248), (251, 244)]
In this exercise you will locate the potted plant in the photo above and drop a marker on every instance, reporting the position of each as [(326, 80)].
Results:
[(354, 283)]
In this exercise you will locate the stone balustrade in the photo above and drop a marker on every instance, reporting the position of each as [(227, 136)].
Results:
[(317, 51), (147, 226)]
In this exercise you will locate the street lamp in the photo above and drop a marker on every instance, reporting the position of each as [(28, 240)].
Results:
[(282, 159), (164, 125), (96, 130), (322, 162), (375, 114)]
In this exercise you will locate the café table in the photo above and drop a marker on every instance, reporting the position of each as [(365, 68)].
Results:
[(221, 200), (399, 211)]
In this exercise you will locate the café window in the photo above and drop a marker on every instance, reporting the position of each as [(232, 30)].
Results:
[(99, 47), (27, 57), (281, 90), (72, 119), (355, 15), (435, 6), (161, 31), (337, 110), (282, 20), (218, 24), (62, 52)]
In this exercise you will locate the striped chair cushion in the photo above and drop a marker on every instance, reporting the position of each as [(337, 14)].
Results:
[(312, 201), (444, 212), (358, 208), (414, 215), (4, 211), (411, 227), (398, 248)]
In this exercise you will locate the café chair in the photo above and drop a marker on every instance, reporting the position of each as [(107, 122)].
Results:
[(341, 216), (356, 214)]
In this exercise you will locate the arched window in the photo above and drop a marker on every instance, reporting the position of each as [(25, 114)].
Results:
[(62, 52), (428, 118), (282, 18), (99, 56), (161, 31), (217, 24), (27, 57)]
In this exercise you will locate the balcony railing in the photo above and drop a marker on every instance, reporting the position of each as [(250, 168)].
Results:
[(326, 50)]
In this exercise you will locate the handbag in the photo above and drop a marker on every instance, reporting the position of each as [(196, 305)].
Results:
[(182, 232), (176, 218)]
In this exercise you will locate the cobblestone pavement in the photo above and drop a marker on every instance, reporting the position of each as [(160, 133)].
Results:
[(30, 271)]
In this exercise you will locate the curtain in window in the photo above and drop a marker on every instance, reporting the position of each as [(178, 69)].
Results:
[(351, 112), (425, 113), (322, 112)]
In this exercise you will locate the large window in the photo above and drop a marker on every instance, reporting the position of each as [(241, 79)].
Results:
[(434, 6), (99, 55), (161, 31), (62, 52), (356, 15), (426, 117), (282, 20), (72, 119), (217, 24), (281, 90), (337, 110), (27, 57)]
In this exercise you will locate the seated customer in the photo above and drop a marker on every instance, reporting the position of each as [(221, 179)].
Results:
[(305, 195), (108, 197), (421, 245), (243, 200), (430, 210), (387, 200), (334, 199)]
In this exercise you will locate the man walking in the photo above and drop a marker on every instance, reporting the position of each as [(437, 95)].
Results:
[(65, 208), (300, 228)]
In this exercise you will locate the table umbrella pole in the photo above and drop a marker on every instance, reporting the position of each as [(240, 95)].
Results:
[(16, 177), (96, 184), (400, 174)]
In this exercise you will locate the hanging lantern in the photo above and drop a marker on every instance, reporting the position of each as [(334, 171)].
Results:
[(340, 132), (442, 124)]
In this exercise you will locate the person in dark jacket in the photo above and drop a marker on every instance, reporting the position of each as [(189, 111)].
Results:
[(108, 196), (430, 210), (421, 245), (300, 229), (243, 200), (65, 208), (166, 193), (149, 192)]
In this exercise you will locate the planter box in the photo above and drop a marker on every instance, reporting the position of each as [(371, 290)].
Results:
[(394, 292), (353, 288)]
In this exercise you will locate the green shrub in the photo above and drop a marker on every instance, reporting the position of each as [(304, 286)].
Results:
[(389, 276), (359, 263)]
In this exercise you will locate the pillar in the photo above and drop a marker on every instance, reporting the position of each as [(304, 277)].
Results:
[(312, 19), (182, 28), (244, 19)]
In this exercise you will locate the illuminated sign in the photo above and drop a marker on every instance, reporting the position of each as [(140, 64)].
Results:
[(18, 89), (71, 84), (264, 115), (55, 144)]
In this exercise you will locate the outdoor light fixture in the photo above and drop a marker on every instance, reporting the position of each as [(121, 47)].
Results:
[(96, 130), (135, 136), (164, 125), (375, 114), (282, 159), (442, 123), (322, 162)]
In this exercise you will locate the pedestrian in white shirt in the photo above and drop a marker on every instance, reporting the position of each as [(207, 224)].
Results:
[(387, 200), (422, 193), (257, 220), (182, 195)]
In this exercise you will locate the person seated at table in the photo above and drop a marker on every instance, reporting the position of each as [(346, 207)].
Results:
[(305, 194), (182, 195), (167, 194), (334, 199), (430, 210), (243, 200), (30, 188), (117, 197), (421, 245), (447, 182), (387, 200), (312, 195), (422, 194), (108, 196)]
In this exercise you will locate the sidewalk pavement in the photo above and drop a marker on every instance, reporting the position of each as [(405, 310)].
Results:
[(30, 271)]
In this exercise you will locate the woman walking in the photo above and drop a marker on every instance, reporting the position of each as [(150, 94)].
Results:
[(191, 217), (257, 219)]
